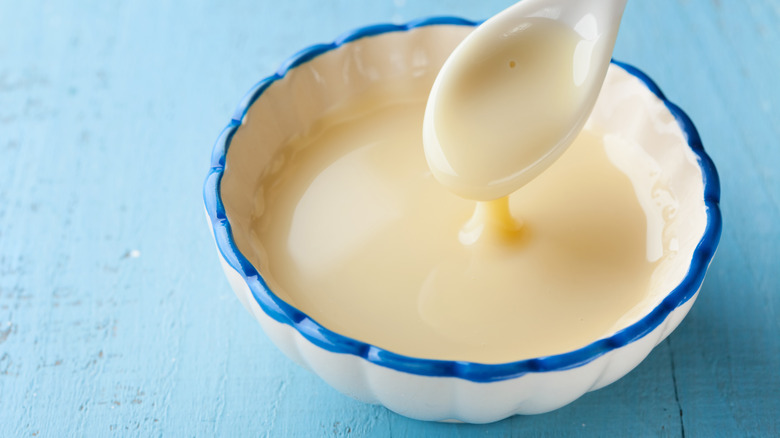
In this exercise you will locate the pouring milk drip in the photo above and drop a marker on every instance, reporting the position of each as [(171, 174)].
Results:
[(515, 93)]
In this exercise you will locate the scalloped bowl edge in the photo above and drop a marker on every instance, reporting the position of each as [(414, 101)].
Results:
[(449, 390)]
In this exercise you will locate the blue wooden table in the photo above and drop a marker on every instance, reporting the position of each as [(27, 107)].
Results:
[(115, 317)]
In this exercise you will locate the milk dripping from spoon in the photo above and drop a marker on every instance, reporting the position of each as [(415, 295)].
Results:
[(516, 92)]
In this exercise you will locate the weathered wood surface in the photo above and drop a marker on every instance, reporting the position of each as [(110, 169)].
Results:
[(115, 318)]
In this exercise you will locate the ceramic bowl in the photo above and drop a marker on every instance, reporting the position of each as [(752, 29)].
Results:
[(321, 76)]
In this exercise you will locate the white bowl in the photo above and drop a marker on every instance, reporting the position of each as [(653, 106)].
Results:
[(321, 76)]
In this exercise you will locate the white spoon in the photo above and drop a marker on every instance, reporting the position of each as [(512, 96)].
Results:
[(516, 92)]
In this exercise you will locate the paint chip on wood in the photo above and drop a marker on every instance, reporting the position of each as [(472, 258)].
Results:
[(132, 254)]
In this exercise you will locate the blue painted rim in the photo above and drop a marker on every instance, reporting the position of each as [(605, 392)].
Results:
[(475, 372)]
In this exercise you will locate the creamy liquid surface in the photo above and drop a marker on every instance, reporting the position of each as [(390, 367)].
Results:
[(505, 106), (353, 229)]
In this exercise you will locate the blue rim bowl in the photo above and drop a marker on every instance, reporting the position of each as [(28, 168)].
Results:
[(331, 341)]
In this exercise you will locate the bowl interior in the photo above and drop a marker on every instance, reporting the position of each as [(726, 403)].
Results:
[(408, 61)]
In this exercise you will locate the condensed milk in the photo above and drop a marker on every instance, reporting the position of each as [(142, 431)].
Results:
[(353, 229)]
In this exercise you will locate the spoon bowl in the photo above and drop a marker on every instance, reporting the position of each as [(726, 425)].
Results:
[(516, 92)]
